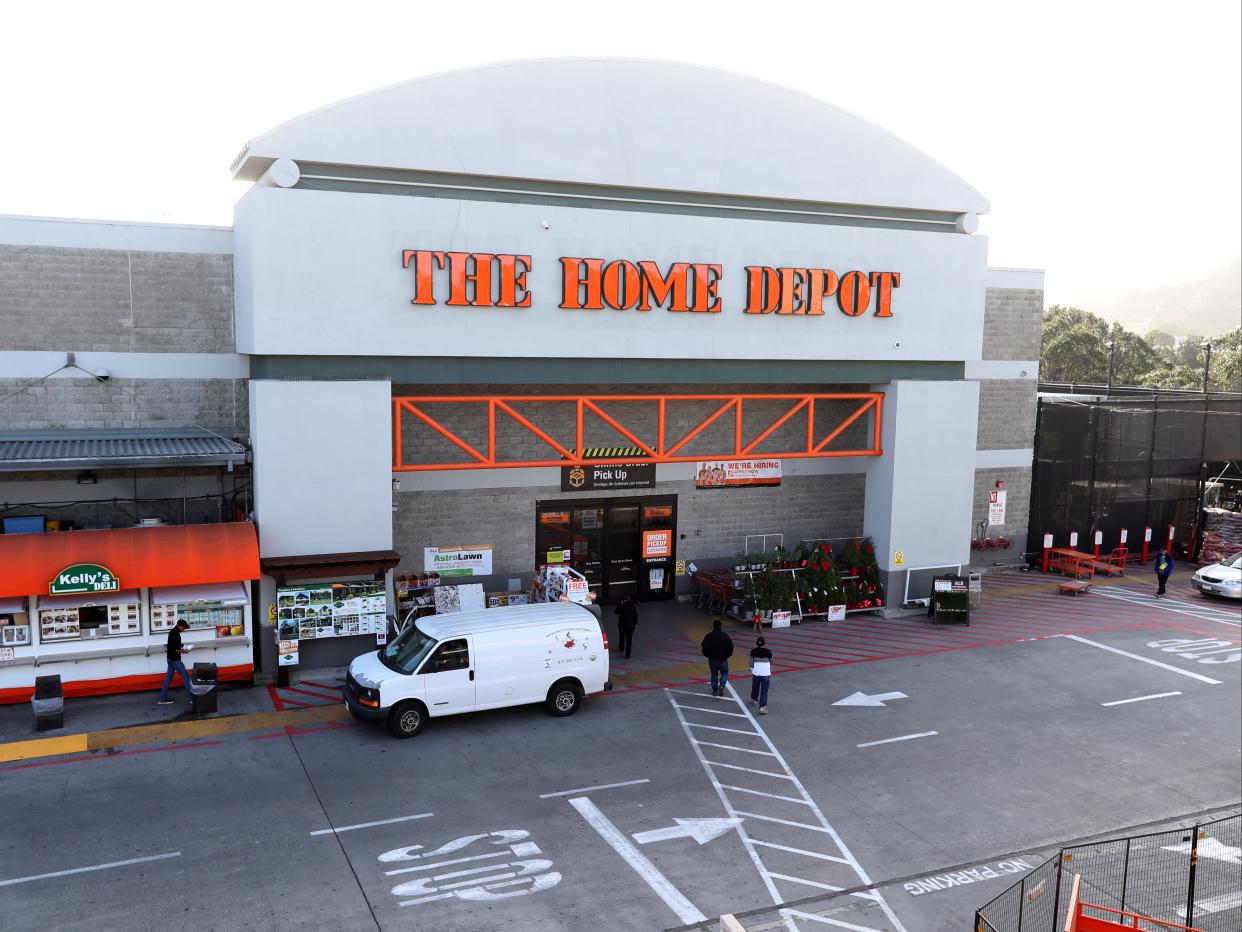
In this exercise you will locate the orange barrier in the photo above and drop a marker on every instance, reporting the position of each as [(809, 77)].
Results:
[(1076, 919)]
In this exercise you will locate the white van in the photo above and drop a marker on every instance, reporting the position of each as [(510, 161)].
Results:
[(485, 659)]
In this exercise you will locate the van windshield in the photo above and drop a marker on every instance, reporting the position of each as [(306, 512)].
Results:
[(407, 650)]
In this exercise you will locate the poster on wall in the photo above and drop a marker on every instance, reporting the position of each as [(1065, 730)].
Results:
[(475, 560), (657, 544), (287, 653), (327, 610), (727, 473)]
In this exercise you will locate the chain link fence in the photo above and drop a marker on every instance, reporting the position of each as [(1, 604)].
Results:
[(1187, 876)]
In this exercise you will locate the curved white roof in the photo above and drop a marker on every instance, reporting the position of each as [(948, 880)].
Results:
[(627, 122)]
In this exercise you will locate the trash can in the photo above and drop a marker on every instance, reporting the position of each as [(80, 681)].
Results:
[(48, 703), (203, 689), (976, 589)]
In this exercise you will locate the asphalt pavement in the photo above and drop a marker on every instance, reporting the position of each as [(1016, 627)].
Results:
[(661, 807)]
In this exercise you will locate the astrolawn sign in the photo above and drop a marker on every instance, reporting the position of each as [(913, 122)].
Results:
[(83, 577)]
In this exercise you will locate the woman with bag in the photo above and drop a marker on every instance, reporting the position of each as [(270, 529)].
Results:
[(760, 675)]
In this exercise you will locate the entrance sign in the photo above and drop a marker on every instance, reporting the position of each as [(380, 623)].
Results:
[(84, 577), (725, 473), (458, 561), (657, 544), (622, 476)]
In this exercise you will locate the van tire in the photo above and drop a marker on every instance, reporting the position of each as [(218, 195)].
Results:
[(407, 719), (564, 698)]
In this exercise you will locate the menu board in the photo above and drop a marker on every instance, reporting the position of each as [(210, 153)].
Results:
[(199, 616), (331, 610)]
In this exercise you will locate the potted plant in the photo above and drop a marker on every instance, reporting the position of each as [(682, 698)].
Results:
[(740, 563)]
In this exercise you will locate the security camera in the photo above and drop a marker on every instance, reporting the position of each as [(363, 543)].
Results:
[(102, 375), (544, 224), (897, 344)]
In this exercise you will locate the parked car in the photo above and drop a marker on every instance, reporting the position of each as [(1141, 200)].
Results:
[(1223, 578), (554, 653)]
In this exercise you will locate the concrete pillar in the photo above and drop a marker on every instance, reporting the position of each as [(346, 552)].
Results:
[(919, 492)]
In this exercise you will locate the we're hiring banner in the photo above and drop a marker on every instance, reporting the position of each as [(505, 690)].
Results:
[(719, 475)]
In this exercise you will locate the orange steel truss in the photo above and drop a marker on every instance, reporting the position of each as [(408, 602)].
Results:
[(662, 448)]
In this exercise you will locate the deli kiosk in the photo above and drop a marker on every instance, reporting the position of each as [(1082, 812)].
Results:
[(95, 607)]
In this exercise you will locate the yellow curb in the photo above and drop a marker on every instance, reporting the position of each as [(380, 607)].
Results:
[(168, 731)]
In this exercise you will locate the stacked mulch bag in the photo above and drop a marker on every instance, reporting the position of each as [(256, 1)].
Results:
[(1222, 535)]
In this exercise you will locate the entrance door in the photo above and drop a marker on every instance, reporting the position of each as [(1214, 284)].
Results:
[(623, 546)]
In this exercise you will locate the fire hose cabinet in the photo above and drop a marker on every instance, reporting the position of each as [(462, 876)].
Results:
[(951, 600)]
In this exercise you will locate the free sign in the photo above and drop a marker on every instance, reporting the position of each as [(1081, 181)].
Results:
[(84, 577)]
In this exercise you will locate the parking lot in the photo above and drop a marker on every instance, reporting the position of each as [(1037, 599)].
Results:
[(968, 757)]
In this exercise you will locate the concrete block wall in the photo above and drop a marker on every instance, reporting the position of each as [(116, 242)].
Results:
[(1012, 333), (1012, 323), (1017, 507), (84, 404), (712, 524), (1006, 414), (60, 298)]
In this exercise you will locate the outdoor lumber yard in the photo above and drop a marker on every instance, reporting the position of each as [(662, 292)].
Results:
[(496, 531)]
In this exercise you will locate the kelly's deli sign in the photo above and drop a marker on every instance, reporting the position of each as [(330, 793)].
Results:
[(496, 280), (84, 577)]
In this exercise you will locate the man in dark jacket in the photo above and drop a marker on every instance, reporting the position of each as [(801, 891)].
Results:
[(1164, 568), (627, 621), (718, 648)]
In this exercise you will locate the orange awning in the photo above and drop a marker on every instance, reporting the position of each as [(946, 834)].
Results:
[(171, 555)]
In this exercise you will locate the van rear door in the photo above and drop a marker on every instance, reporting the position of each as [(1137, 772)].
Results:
[(449, 677)]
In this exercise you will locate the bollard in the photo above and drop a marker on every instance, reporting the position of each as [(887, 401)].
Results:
[(1099, 539), (48, 703), (1146, 542), (1047, 551), (1073, 540), (1168, 546)]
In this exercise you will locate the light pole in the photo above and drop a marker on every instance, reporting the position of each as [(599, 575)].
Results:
[(1207, 364), (1112, 355)]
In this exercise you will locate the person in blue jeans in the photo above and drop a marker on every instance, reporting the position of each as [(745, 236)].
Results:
[(174, 650), (718, 648), (760, 675)]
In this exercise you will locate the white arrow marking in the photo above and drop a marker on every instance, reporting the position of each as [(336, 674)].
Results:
[(1210, 848), (864, 699), (701, 830)]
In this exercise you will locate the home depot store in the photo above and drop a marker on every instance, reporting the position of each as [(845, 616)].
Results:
[(451, 293)]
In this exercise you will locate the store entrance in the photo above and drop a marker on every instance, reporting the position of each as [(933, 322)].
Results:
[(623, 546)]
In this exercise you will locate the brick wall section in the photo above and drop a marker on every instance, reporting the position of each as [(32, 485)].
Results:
[(1006, 414), (1012, 323), (102, 300), (58, 404), (421, 444), (1017, 508), (715, 522)]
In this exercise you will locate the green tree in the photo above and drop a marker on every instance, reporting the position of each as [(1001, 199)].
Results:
[(1160, 341), (1073, 346)]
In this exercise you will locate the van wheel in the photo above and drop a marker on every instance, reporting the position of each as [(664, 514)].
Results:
[(407, 719), (564, 698)]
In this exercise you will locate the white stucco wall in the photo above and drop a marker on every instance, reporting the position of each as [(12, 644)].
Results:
[(322, 466)]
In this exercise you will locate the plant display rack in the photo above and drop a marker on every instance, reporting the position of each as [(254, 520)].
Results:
[(852, 570)]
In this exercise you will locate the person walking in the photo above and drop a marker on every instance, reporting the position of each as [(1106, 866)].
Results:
[(627, 621), (718, 648), (760, 675), (1164, 568), (174, 650)]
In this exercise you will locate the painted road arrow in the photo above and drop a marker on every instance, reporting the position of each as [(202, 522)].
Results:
[(864, 699), (701, 830)]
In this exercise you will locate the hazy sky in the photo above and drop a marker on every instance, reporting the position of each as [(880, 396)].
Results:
[(1106, 135)]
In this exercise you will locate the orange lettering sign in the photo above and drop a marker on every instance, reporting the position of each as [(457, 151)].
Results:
[(476, 279)]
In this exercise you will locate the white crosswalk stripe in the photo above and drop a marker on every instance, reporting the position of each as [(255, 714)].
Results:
[(786, 835)]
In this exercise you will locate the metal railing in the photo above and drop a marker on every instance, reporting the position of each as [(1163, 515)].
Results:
[(1184, 875)]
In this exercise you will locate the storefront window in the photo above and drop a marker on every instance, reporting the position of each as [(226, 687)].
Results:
[(71, 618), (217, 606)]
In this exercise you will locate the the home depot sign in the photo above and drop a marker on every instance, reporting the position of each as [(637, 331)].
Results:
[(499, 280)]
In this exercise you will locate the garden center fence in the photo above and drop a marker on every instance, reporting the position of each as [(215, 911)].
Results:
[(1189, 876)]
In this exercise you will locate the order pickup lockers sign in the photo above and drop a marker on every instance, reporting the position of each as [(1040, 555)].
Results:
[(951, 600)]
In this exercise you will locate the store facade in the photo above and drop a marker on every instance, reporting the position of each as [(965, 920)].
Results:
[(587, 311)]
